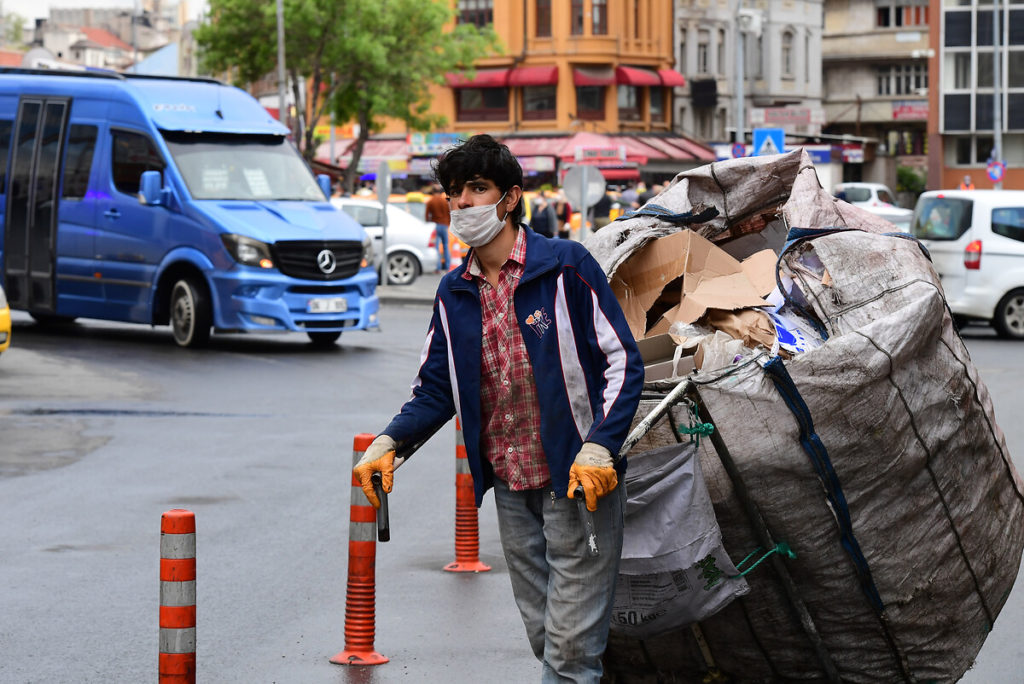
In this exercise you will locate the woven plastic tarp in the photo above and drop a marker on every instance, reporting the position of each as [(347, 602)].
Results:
[(876, 457)]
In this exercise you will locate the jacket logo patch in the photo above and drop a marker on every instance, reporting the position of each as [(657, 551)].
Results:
[(539, 321)]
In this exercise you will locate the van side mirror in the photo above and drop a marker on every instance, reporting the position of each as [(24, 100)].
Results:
[(325, 184), (151, 190)]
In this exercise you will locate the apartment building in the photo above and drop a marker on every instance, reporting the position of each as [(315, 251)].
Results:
[(961, 130), (782, 85), (876, 84)]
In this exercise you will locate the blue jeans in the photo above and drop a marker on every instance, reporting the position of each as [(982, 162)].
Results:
[(442, 245), (564, 596)]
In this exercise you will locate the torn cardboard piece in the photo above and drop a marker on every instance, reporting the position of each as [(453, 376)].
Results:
[(752, 326)]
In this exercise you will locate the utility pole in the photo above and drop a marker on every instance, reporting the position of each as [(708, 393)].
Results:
[(741, 133), (282, 114), (997, 89)]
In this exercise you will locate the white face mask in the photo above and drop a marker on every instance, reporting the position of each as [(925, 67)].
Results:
[(476, 226)]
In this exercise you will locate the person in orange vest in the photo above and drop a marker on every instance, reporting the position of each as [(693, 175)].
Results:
[(966, 183)]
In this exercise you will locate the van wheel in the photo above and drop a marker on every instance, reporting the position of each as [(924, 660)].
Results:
[(1009, 318), (190, 313), (324, 339)]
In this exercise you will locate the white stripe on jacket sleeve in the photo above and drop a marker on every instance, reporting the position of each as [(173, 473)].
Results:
[(572, 369), (610, 344), (453, 378)]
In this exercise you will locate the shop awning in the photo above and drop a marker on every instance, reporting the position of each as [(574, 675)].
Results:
[(635, 76), (593, 76), (484, 78), (533, 76), (616, 174), (671, 78), (535, 146)]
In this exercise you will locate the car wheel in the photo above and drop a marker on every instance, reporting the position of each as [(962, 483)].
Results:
[(191, 317), (403, 268), (324, 339), (1009, 317)]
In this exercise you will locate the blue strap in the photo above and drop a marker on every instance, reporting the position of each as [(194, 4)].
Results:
[(816, 451), (680, 219)]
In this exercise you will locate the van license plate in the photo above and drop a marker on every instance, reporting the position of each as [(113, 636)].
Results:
[(332, 305)]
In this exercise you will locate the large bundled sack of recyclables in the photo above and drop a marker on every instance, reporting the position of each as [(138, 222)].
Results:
[(866, 443)]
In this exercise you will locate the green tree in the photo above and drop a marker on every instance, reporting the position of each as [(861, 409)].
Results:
[(365, 59), (14, 28)]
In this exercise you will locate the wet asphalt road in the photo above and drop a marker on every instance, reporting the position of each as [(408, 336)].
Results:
[(103, 427)]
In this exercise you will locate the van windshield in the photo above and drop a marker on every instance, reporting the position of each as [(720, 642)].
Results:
[(242, 167), (942, 218)]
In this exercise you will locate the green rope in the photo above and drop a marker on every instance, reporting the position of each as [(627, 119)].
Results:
[(713, 575), (696, 428)]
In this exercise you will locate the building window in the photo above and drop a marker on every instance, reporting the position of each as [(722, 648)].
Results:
[(539, 102), (962, 70), (629, 103), (476, 12), (905, 79), (720, 53), (576, 17), (703, 48), (984, 69), (787, 54), (657, 96), (1014, 69), (758, 62), (599, 14), (807, 57), (590, 102), (482, 104), (543, 18), (704, 122), (896, 14), (682, 54)]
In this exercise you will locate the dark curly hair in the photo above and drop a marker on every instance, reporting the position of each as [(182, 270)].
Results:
[(480, 157)]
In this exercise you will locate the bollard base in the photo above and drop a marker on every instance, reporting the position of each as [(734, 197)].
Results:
[(359, 658), (464, 566)]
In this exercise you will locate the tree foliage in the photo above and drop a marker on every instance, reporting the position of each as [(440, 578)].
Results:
[(365, 59)]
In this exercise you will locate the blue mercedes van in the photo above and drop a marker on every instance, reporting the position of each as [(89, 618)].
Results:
[(170, 201)]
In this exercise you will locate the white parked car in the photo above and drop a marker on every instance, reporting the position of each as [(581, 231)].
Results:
[(412, 243), (870, 196), (976, 240)]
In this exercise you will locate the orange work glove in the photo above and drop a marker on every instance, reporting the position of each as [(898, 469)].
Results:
[(379, 457), (594, 470)]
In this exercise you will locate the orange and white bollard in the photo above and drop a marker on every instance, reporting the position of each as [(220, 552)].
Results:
[(177, 663), (467, 528), (360, 597)]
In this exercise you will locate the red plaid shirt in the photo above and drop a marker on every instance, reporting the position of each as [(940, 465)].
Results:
[(510, 413)]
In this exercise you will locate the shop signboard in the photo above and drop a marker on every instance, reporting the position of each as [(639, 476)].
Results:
[(423, 144)]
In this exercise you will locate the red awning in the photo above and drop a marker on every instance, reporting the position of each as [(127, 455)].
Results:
[(633, 76), (620, 174), (671, 78), (593, 76), (535, 147), (484, 78), (533, 76)]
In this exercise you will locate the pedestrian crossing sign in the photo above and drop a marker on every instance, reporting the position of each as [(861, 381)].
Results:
[(769, 141)]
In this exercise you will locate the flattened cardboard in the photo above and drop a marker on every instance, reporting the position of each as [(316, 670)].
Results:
[(711, 280)]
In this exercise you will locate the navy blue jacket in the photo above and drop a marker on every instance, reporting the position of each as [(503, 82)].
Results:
[(588, 371)]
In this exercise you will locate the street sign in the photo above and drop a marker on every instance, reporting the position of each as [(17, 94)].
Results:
[(739, 150), (995, 171), (583, 186), (769, 141)]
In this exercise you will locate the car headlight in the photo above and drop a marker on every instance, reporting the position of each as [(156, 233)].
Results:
[(367, 251), (3, 299), (247, 251)]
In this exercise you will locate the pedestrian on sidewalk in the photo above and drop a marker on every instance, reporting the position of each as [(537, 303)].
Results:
[(529, 348), (439, 213)]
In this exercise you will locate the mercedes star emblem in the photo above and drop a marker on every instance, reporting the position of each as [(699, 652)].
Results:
[(326, 261)]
